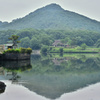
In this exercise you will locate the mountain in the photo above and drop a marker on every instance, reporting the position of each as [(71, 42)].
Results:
[(3, 23), (0, 23), (53, 17)]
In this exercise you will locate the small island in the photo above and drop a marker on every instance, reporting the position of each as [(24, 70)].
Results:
[(15, 53)]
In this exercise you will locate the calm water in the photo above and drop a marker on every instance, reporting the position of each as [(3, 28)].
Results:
[(52, 77)]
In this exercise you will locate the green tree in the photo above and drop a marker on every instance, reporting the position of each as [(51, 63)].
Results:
[(83, 46), (14, 39), (97, 44), (45, 40), (61, 50), (73, 41), (25, 42), (35, 44), (44, 49)]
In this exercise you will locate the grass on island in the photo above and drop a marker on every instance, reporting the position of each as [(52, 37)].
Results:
[(18, 50)]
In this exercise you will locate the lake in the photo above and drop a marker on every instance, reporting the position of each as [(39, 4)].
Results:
[(52, 77)]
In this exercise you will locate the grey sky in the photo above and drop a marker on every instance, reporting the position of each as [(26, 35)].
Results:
[(12, 9)]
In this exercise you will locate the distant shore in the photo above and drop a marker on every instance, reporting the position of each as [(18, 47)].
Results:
[(69, 50)]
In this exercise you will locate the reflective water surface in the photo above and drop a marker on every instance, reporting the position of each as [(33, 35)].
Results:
[(52, 77)]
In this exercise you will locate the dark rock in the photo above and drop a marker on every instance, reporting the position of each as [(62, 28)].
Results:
[(2, 87), (15, 56)]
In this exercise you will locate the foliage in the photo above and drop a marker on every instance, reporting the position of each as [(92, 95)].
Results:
[(73, 50), (61, 50), (12, 51), (28, 50), (97, 44), (78, 48), (14, 39), (44, 49), (71, 28), (20, 50), (83, 46), (25, 42), (35, 44), (35, 39)]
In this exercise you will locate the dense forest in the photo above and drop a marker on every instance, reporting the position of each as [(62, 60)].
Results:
[(37, 38)]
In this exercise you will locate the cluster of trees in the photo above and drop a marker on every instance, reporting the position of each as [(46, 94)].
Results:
[(37, 38)]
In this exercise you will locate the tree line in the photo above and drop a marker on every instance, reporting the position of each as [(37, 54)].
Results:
[(37, 38)]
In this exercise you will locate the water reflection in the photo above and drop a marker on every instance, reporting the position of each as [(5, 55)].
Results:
[(16, 65), (10, 69), (51, 79), (53, 75)]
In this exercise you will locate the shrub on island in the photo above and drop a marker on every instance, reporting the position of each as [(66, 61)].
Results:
[(20, 50)]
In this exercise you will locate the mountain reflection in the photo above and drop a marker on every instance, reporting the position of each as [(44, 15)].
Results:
[(51, 79), (53, 75)]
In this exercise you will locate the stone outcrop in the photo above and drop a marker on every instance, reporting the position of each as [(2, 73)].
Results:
[(15, 56), (2, 87)]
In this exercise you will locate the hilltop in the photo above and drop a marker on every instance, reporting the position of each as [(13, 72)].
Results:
[(53, 17)]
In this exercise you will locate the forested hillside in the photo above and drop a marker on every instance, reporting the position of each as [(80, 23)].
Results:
[(3, 23), (0, 23), (50, 23), (53, 17), (37, 38)]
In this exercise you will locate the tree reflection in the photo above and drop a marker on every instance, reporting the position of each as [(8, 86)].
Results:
[(13, 67), (55, 75), (14, 77)]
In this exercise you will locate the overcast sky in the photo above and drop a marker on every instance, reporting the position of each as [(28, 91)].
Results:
[(12, 9)]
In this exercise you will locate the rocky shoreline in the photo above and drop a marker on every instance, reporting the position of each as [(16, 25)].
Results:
[(15, 56)]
